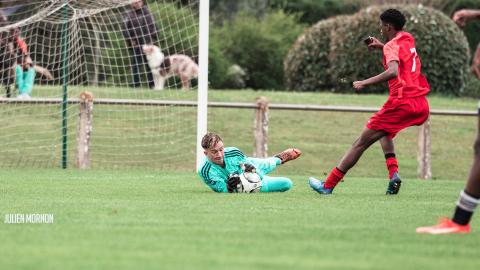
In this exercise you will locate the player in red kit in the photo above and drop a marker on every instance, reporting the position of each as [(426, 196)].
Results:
[(470, 196), (406, 105)]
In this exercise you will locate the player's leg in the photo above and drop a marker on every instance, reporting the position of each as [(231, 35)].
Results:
[(467, 202), (389, 151), (136, 61), (28, 80), (395, 182), (5, 80), (470, 197), (287, 155), (19, 78), (264, 166), (473, 183), (275, 184), (151, 82), (362, 143)]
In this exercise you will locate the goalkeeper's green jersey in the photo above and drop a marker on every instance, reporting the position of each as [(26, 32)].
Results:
[(216, 177)]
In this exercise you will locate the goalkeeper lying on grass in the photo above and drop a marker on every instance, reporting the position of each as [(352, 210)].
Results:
[(218, 169)]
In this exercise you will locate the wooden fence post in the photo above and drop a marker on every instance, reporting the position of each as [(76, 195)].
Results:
[(260, 146), (423, 151), (84, 130)]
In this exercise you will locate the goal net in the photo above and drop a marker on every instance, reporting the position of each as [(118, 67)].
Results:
[(95, 46)]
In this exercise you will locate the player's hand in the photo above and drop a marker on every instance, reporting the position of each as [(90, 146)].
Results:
[(358, 85), (376, 44), (460, 17), (233, 181), (475, 71), (246, 167)]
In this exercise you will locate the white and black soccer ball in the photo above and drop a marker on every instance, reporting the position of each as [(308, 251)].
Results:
[(250, 182)]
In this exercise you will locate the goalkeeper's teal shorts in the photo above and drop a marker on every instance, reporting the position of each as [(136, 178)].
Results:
[(270, 184), (275, 184)]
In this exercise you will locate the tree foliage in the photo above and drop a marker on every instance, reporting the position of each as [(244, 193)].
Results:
[(258, 46)]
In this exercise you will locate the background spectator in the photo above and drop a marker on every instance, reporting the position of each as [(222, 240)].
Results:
[(139, 28), (25, 74), (7, 58)]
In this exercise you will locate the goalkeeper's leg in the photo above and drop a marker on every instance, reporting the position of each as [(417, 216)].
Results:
[(264, 166), (270, 184), (275, 184)]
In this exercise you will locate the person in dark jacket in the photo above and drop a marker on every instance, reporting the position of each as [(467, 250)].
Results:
[(7, 58), (139, 28)]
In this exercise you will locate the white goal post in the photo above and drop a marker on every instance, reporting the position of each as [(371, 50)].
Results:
[(202, 79)]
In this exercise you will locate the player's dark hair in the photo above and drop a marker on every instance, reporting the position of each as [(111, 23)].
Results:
[(210, 140), (394, 17)]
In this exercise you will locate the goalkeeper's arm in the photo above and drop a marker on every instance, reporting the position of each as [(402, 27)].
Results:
[(216, 182)]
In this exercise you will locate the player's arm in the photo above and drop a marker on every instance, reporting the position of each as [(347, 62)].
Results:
[(237, 157), (476, 62), (218, 182), (387, 75), (461, 17)]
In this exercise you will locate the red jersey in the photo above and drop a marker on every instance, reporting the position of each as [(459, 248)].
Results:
[(410, 82)]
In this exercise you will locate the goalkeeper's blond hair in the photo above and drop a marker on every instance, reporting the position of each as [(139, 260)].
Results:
[(210, 140)]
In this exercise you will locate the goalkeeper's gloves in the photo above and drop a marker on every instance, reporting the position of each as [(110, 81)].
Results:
[(233, 181), (246, 167)]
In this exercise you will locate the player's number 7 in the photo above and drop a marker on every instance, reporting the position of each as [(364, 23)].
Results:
[(414, 64)]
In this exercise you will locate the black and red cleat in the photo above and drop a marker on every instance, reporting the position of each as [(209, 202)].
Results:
[(289, 154)]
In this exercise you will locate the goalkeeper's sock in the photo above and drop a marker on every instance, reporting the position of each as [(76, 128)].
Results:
[(392, 164), (332, 180), (277, 160)]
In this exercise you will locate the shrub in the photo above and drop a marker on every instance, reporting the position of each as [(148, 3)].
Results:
[(472, 89), (333, 51), (218, 62), (259, 46), (314, 10)]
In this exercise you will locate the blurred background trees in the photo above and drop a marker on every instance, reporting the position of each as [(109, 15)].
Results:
[(249, 39)]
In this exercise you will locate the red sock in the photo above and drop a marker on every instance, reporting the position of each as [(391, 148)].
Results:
[(333, 179), (392, 166)]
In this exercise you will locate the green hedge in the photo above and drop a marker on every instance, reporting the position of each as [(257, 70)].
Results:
[(332, 52), (257, 46)]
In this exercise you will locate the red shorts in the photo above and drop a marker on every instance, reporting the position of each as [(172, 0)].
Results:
[(397, 114)]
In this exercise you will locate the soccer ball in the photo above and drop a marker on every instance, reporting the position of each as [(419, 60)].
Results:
[(250, 183)]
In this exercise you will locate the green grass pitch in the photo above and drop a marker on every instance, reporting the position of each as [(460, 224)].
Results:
[(106, 219)]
